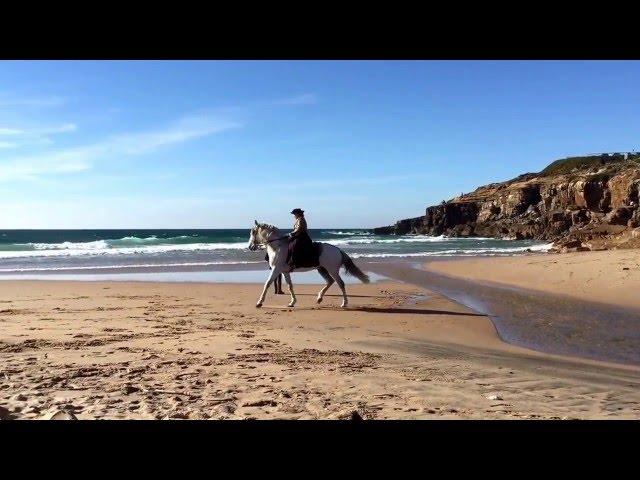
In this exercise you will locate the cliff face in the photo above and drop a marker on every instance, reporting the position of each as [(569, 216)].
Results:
[(583, 198)]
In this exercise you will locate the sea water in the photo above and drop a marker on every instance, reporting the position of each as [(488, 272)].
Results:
[(94, 251)]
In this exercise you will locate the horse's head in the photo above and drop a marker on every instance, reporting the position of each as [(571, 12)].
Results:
[(260, 234), (255, 237)]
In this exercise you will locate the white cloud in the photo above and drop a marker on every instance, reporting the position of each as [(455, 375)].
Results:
[(185, 129), (44, 102), (31, 168), (10, 131), (326, 187), (64, 128), (21, 137), (305, 99), (82, 158)]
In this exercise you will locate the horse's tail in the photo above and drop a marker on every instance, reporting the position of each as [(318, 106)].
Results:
[(352, 269)]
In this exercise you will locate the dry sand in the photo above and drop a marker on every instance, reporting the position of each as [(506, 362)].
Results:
[(611, 277), (165, 350)]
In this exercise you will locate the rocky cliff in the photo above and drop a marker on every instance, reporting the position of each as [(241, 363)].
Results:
[(588, 202)]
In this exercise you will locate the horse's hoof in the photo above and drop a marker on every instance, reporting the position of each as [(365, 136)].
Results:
[(344, 305), (291, 305), (319, 300), (258, 305)]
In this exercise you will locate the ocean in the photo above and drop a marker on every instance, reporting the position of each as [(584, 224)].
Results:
[(42, 251)]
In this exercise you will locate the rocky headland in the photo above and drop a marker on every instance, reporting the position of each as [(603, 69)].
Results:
[(578, 203)]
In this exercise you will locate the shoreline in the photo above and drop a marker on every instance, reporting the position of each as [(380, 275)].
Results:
[(537, 320), (229, 276)]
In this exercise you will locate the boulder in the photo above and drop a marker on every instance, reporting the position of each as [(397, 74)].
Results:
[(620, 216), (570, 243), (579, 216), (384, 230), (574, 249)]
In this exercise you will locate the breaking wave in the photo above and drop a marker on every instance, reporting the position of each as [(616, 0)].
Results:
[(58, 250), (364, 234), (104, 247), (459, 252)]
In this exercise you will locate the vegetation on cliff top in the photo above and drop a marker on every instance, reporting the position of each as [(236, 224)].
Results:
[(595, 167), (568, 165)]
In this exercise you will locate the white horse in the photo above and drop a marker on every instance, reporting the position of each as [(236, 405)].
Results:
[(330, 261)]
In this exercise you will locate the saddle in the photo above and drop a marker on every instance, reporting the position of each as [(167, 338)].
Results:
[(305, 255)]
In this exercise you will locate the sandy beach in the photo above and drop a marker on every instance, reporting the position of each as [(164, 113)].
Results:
[(142, 350)]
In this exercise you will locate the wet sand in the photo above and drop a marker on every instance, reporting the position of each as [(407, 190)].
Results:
[(544, 321), (109, 350), (611, 277)]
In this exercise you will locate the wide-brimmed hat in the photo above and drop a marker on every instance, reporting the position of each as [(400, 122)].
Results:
[(297, 210)]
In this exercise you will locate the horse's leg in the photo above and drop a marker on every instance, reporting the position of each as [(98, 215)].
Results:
[(327, 278), (277, 285), (272, 276), (336, 276), (287, 278)]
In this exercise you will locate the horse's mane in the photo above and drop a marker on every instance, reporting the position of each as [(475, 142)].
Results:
[(268, 226)]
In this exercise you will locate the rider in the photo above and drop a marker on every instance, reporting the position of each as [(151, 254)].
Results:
[(300, 244)]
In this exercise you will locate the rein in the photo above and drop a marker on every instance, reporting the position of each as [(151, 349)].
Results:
[(273, 240), (276, 239)]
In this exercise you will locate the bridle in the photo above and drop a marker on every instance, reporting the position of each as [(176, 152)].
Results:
[(264, 244)]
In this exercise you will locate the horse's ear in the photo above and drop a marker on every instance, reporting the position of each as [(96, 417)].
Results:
[(256, 222)]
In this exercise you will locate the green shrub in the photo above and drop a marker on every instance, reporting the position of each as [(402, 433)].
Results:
[(567, 165)]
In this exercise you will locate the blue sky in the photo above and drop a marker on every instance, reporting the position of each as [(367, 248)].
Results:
[(176, 144)]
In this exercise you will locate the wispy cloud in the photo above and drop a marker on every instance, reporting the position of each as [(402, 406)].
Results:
[(304, 99), (41, 101), (10, 131), (12, 137), (323, 185), (185, 129), (64, 128), (347, 182), (82, 158)]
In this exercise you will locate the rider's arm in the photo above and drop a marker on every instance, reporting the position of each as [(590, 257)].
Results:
[(299, 227)]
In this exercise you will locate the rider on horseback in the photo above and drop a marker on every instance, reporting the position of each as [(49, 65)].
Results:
[(327, 259), (301, 250)]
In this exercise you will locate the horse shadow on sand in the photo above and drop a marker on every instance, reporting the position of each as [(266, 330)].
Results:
[(368, 309)]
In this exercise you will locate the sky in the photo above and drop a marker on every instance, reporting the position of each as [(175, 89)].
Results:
[(217, 144)]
